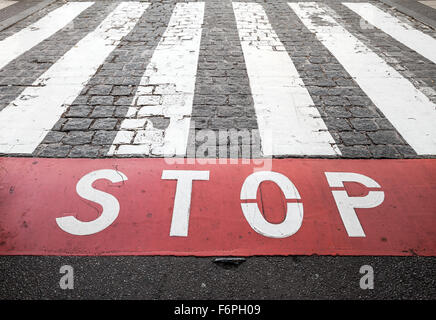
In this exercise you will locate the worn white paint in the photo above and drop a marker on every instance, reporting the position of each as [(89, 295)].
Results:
[(347, 204), (166, 89), (25, 122), (289, 123), (6, 3), (110, 204), (407, 108), (182, 199), (294, 211), (20, 42), (401, 31)]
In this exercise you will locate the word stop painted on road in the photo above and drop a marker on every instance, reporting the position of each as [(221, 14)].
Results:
[(161, 207)]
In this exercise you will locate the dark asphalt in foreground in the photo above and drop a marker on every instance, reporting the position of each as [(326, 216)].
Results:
[(293, 277)]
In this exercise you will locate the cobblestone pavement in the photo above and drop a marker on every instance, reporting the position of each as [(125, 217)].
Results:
[(145, 100)]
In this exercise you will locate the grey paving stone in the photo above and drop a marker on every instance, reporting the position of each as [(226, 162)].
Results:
[(103, 137), (160, 122), (384, 124), (364, 124), (102, 112), (359, 101), (363, 112), (54, 137), (406, 151), (217, 100), (199, 123), (337, 124), (231, 111), (104, 124), (355, 152), (245, 100), (120, 111), (100, 90), (76, 124), (121, 90), (388, 152), (54, 151), (82, 99), (335, 112), (85, 151), (123, 101), (101, 100), (79, 111), (207, 110), (334, 101), (353, 138), (59, 124), (78, 137)]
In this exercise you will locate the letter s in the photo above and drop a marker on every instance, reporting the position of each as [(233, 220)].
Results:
[(110, 204)]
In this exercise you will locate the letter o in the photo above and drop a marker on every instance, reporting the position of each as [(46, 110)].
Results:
[(294, 211)]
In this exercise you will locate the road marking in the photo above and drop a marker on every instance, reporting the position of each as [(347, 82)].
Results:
[(404, 33), (6, 3), (166, 90), (151, 207), (25, 122), (289, 123), (20, 42), (407, 108)]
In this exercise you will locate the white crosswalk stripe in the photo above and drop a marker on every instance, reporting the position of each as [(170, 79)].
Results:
[(22, 41), (414, 39), (289, 123), (407, 108), (170, 76), (25, 122)]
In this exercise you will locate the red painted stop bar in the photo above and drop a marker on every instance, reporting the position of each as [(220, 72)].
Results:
[(187, 207)]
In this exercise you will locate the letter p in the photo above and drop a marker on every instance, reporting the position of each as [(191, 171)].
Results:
[(347, 204)]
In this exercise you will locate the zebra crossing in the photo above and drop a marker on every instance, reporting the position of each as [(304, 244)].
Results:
[(289, 119), (397, 98), (171, 73), (281, 101), (25, 122)]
